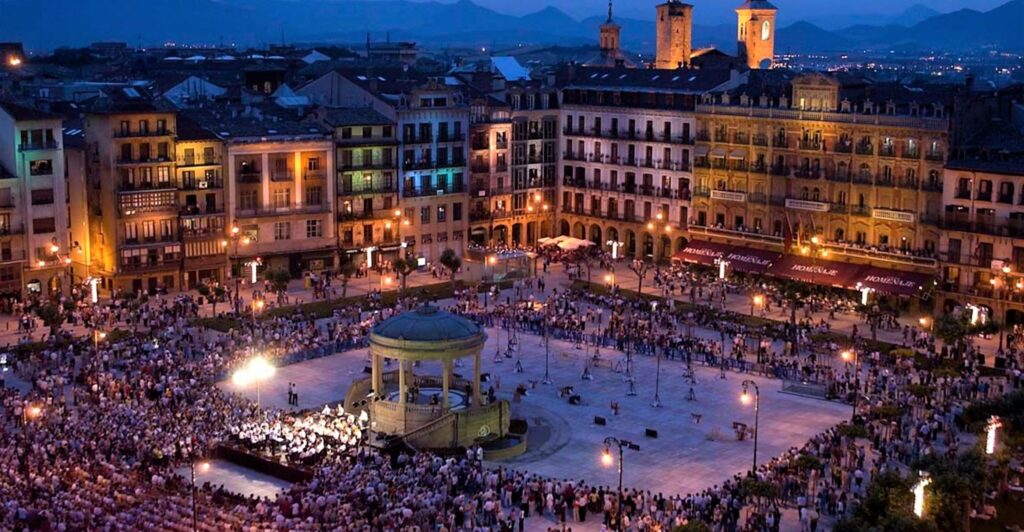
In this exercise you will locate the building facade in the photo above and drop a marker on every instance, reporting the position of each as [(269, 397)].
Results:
[(135, 241), (864, 179), (199, 171), (34, 245)]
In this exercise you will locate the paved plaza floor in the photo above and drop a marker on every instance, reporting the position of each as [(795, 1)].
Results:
[(236, 479), (564, 442)]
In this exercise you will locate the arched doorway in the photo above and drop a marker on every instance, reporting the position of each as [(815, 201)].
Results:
[(595, 234), (666, 247), (545, 229), (500, 234), (648, 245), (563, 228), (517, 233), (579, 231), (680, 245)]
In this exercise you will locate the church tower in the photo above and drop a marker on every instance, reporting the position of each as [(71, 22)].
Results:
[(755, 33), (610, 33), (675, 35)]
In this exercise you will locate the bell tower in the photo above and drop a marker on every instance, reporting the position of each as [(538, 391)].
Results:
[(755, 33), (610, 33), (675, 35)]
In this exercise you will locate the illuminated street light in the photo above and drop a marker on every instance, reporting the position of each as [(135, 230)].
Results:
[(257, 370), (746, 399), (607, 460), (990, 437), (918, 491)]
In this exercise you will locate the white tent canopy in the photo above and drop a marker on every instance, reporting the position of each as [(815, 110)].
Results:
[(565, 243)]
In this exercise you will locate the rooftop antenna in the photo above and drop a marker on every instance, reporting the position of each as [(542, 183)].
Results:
[(609, 10)]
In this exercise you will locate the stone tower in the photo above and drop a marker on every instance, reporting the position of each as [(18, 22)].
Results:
[(675, 34), (755, 33), (610, 33)]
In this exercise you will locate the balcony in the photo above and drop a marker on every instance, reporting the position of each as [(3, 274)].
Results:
[(807, 173), (887, 151), (355, 216), (480, 168), (813, 145), (312, 174), (884, 181), (348, 166), (761, 140), (703, 136), (1005, 198), (865, 149), (418, 139), (863, 178), (282, 175), (780, 142), (139, 134), (202, 184), (144, 186), (451, 137), (479, 145), (282, 211), (433, 191), (935, 156), (984, 195), (202, 233), (962, 193), (741, 138), (907, 183), (38, 146), (843, 147), (142, 160), (250, 176), (362, 188), (213, 160), (860, 210), (197, 211)]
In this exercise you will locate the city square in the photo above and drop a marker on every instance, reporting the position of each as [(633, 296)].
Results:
[(542, 266)]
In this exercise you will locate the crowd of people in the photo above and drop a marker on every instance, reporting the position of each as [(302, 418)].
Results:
[(96, 441)]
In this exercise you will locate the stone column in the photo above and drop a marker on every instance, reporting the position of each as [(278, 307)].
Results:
[(446, 382), (401, 382), (264, 202), (476, 380), (375, 381)]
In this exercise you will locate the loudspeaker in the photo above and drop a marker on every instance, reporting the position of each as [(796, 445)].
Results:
[(598, 420), (650, 433)]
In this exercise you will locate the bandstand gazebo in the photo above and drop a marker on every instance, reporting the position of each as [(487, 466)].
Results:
[(429, 411)]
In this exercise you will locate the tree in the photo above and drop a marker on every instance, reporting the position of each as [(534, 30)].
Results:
[(452, 262), (51, 315), (279, 280), (403, 268), (347, 269), (640, 268)]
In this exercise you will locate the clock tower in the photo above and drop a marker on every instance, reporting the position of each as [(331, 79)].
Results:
[(755, 33)]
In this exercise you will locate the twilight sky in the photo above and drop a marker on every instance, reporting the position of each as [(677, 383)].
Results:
[(714, 11)]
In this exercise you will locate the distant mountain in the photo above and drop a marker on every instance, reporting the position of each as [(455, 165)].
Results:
[(804, 36), (464, 23)]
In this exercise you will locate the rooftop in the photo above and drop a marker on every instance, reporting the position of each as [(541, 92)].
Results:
[(22, 113), (427, 324), (363, 116), (679, 80)]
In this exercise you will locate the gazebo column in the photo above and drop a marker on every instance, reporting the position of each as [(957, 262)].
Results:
[(476, 379), (445, 382), (375, 381), (401, 382)]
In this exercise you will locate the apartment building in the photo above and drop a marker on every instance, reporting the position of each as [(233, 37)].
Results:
[(535, 123), (134, 237), (34, 246), (983, 223), (490, 190), (199, 173), (854, 167), (367, 206), (432, 120), (627, 156), (279, 191)]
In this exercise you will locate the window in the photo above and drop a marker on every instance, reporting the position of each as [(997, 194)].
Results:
[(42, 196), (41, 167), (456, 212), (442, 214), (44, 225), (163, 176), (282, 198), (282, 230), (247, 200), (131, 231), (424, 215), (149, 229), (314, 228), (314, 195), (143, 127)]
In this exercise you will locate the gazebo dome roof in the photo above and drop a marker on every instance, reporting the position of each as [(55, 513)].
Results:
[(427, 324)]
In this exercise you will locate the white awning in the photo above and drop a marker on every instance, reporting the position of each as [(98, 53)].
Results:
[(718, 152), (700, 151), (738, 154)]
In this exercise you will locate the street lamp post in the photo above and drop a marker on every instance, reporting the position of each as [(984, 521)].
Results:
[(204, 466), (547, 347), (745, 398), (657, 379), (851, 355), (236, 237), (607, 459)]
